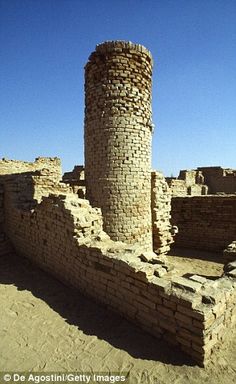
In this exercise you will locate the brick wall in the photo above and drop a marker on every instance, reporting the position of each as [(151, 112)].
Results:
[(63, 235), (161, 207), (187, 183), (219, 180), (204, 222), (76, 179), (118, 132)]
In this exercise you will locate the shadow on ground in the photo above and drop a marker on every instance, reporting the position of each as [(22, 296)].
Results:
[(215, 257), (91, 318)]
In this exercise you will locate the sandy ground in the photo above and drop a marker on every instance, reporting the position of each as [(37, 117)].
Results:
[(203, 263), (45, 326)]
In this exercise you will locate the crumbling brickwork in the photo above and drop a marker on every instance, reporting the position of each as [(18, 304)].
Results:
[(52, 165), (161, 208), (118, 131), (204, 222), (219, 180), (64, 235), (203, 181), (76, 179), (188, 183), (31, 181)]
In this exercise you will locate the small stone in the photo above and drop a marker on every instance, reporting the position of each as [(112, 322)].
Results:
[(230, 266), (187, 284), (232, 273)]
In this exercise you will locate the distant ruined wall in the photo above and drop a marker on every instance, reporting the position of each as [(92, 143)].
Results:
[(204, 222), (219, 180), (161, 209), (203, 181), (118, 131), (10, 167), (76, 179), (188, 183)]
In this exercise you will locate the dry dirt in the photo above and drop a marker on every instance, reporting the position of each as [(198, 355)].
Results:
[(203, 263), (45, 326)]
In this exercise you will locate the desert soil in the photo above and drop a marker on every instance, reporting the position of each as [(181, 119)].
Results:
[(45, 326), (189, 262)]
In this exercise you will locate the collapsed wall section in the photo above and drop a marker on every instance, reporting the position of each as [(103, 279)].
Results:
[(188, 183), (25, 183), (28, 182), (204, 222), (76, 180), (219, 180), (118, 131), (51, 164), (63, 235)]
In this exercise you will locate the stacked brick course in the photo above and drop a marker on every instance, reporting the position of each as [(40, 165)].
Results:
[(188, 183), (31, 181), (161, 208), (204, 222), (50, 164), (203, 180), (118, 130), (76, 180), (63, 234), (219, 180)]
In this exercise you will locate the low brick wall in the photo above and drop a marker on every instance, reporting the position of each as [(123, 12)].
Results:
[(5, 245), (204, 222), (63, 235), (56, 236)]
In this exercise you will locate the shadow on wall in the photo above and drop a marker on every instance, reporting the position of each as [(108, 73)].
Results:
[(20, 184), (87, 315)]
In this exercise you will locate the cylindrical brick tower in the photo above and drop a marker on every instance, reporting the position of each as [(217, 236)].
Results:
[(118, 131)]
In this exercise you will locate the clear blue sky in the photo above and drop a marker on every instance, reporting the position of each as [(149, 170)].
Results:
[(44, 45)]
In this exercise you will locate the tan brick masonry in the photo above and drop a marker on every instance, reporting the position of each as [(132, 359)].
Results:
[(63, 235)]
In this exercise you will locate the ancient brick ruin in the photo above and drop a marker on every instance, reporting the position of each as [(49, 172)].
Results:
[(103, 246), (203, 181), (118, 130)]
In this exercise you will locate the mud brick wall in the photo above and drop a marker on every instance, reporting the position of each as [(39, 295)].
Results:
[(2, 234), (118, 131), (5, 244), (219, 180), (212, 319), (177, 187), (204, 222), (187, 183), (20, 179), (50, 164), (76, 180), (1, 205), (27, 182), (161, 208), (63, 235)]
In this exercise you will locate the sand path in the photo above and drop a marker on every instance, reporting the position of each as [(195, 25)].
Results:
[(45, 326)]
